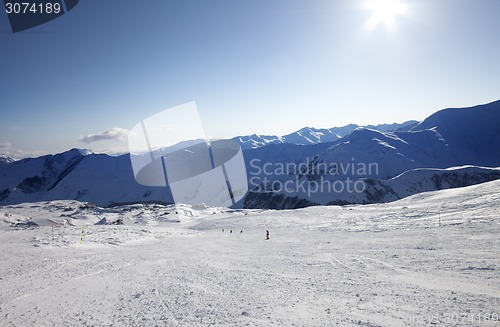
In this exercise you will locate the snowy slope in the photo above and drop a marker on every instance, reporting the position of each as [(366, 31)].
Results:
[(28, 177), (424, 180), (76, 174), (427, 260), (394, 153), (332, 190), (471, 133)]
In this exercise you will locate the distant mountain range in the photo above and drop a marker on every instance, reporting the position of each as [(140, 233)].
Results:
[(309, 135), (382, 163)]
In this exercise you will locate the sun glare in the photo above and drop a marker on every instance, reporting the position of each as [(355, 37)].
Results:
[(383, 11)]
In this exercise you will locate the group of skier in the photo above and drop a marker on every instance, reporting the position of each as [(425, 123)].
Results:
[(231, 231), (241, 232)]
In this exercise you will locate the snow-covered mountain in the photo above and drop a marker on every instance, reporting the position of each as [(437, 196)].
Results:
[(448, 138), (309, 135), (5, 159), (310, 192), (472, 134), (75, 174)]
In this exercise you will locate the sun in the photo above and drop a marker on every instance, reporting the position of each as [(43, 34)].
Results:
[(383, 11)]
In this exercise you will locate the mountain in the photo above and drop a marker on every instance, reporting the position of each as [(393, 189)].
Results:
[(448, 138), (5, 159), (380, 161), (75, 174), (369, 191), (309, 135), (255, 141), (472, 134), (406, 126)]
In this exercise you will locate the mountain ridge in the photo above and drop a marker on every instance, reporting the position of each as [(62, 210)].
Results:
[(362, 155), (409, 183), (311, 135)]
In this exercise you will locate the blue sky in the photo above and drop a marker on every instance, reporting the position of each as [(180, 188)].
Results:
[(260, 66)]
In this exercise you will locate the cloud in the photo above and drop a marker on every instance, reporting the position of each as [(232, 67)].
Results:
[(5, 146), (114, 133), (7, 149)]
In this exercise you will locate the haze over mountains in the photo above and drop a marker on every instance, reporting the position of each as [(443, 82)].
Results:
[(373, 155)]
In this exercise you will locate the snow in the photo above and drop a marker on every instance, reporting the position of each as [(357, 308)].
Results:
[(429, 259), (5, 159), (472, 133)]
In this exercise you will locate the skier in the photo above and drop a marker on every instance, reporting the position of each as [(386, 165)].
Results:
[(231, 231), (241, 231), (267, 234)]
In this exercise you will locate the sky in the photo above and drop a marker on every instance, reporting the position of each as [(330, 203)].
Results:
[(252, 66)]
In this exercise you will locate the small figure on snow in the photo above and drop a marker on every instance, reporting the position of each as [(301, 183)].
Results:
[(241, 231), (231, 231), (223, 230), (267, 234)]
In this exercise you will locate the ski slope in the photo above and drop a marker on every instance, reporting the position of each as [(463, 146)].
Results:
[(429, 259)]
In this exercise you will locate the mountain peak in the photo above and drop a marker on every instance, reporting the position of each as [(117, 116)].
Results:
[(459, 118), (365, 132), (310, 135), (6, 159), (83, 152)]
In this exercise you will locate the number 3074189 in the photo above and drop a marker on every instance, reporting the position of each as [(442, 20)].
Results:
[(32, 8)]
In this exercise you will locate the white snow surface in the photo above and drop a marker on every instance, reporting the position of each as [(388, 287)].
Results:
[(429, 259)]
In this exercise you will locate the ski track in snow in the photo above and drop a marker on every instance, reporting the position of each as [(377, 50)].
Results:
[(432, 259)]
